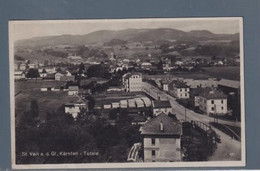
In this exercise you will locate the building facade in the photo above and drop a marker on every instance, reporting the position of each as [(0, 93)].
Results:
[(213, 102), (161, 106), (179, 89), (132, 82), (161, 139)]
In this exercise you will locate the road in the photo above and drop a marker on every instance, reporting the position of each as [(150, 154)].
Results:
[(228, 150), (180, 110)]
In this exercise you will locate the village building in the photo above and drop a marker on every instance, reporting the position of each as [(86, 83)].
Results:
[(22, 66), (165, 84), (73, 90), (146, 66), (64, 76), (161, 139), (18, 75), (74, 105), (212, 101), (161, 106), (132, 82), (179, 89), (202, 83)]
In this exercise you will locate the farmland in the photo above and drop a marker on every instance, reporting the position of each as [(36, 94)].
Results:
[(30, 90)]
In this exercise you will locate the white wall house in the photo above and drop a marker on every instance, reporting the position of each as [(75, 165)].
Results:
[(159, 107), (179, 89), (74, 104), (19, 75), (73, 90), (161, 139), (213, 102), (132, 82)]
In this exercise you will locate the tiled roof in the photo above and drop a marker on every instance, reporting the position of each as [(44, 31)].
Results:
[(72, 100), (179, 84), (213, 94), (170, 126), (73, 88), (198, 91), (128, 75), (162, 104), (166, 81)]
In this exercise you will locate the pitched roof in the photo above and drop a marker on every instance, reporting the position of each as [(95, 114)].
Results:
[(128, 75), (213, 94), (170, 126), (73, 88), (162, 104), (179, 84), (72, 100), (165, 81)]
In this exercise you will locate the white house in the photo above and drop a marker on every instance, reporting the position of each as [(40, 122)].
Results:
[(74, 104), (179, 89), (161, 106), (161, 139), (73, 90), (19, 75), (165, 84), (212, 101), (132, 82), (60, 74)]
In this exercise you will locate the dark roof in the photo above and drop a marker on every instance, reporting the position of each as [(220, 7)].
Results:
[(72, 100), (162, 104), (170, 126), (67, 78), (165, 81), (128, 75), (179, 84), (198, 91), (213, 94)]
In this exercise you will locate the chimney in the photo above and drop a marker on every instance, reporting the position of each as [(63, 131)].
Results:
[(161, 126)]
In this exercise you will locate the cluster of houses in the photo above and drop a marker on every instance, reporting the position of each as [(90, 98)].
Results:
[(209, 95)]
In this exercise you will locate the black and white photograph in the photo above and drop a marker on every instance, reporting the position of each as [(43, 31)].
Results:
[(127, 93)]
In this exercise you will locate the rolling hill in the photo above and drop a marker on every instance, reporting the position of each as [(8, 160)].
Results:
[(131, 35)]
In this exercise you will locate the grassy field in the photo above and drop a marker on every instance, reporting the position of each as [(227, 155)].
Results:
[(47, 101), (227, 72)]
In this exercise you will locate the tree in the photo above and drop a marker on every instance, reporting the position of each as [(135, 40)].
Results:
[(33, 73), (81, 68), (34, 108)]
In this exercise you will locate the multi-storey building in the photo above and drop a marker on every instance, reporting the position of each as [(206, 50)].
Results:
[(161, 139), (212, 101), (132, 82), (179, 89)]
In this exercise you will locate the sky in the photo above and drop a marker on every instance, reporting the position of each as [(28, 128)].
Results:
[(38, 28)]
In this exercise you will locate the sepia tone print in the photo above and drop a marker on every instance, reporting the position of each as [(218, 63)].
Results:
[(127, 93)]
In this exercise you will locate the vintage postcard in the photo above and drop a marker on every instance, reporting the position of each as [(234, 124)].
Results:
[(127, 93)]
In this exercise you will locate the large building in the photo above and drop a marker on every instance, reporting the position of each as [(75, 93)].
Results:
[(132, 82), (179, 89), (212, 101), (161, 139), (161, 106)]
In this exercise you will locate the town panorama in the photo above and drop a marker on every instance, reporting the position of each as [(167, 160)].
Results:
[(128, 95)]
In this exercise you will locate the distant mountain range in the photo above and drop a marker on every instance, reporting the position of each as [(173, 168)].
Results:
[(130, 35)]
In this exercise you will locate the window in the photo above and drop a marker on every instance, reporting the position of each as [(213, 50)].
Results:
[(185, 95), (153, 153), (222, 101), (185, 89), (180, 89), (153, 141), (222, 108), (212, 108), (212, 101)]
